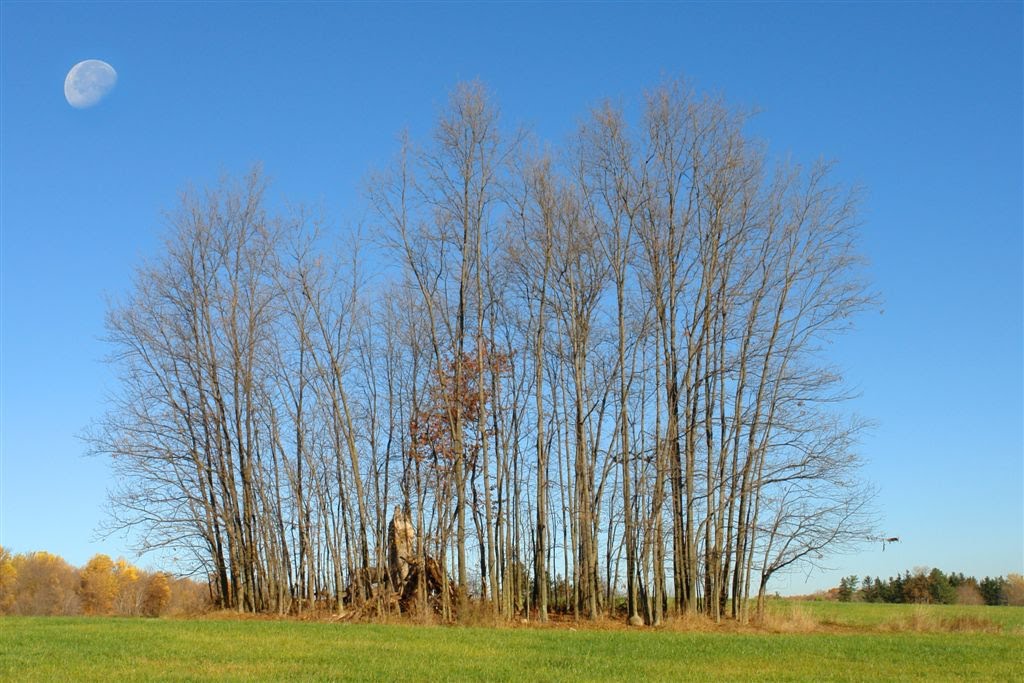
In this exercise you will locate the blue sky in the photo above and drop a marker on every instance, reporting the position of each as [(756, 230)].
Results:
[(919, 103)]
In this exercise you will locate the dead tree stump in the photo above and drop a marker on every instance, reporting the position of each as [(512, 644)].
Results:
[(399, 582)]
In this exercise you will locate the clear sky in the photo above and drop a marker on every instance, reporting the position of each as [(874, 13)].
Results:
[(919, 103)]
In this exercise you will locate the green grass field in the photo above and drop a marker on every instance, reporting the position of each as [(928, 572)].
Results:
[(857, 642)]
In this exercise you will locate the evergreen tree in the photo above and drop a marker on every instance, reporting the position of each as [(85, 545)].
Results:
[(993, 591)]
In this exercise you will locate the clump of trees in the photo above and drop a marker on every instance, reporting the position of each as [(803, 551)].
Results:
[(934, 587), (584, 372), (43, 584)]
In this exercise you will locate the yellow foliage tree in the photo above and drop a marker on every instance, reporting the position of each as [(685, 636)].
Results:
[(98, 585), (128, 599), (44, 585), (41, 583), (157, 595), (8, 580)]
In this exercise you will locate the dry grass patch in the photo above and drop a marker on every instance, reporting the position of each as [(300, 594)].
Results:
[(923, 620), (779, 617), (790, 618)]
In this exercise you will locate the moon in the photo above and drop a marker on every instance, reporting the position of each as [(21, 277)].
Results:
[(89, 82)]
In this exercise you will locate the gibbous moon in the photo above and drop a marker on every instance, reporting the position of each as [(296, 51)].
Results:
[(88, 82)]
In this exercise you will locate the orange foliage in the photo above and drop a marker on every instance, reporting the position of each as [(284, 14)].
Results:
[(156, 596), (43, 584), (8, 580), (431, 429)]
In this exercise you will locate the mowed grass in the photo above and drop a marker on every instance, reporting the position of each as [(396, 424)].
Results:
[(53, 648)]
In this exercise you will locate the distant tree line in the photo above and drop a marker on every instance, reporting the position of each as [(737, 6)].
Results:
[(44, 584), (934, 587), (585, 373)]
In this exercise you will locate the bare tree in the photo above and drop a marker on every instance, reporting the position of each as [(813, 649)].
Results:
[(604, 361)]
